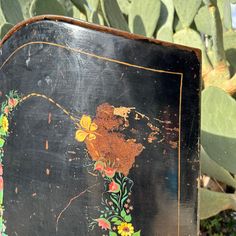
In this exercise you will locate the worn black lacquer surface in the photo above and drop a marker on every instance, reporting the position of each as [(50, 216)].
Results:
[(39, 182)]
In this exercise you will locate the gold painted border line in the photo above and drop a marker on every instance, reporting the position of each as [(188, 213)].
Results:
[(78, 50), (88, 54)]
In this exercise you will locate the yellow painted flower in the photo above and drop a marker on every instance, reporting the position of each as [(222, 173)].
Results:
[(88, 129), (125, 229), (5, 124)]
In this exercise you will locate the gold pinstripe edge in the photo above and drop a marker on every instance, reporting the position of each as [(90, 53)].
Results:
[(78, 50)]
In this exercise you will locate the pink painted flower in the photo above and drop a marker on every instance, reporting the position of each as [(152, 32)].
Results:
[(109, 172), (12, 102), (99, 165), (6, 110), (1, 183), (104, 223), (114, 187)]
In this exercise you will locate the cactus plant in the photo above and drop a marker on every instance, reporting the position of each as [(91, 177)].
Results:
[(205, 24), (140, 15), (11, 11)]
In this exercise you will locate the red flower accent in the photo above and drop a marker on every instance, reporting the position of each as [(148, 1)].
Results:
[(114, 187), (109, 172), (1, 183), (12, 102), (1, 169), (6, 110), (99, 165), (103, 223)]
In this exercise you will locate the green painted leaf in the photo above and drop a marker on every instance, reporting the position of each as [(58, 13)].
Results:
[(11, 10), (123, 213), (218, 123), (113, 14), (211, 203), (143, 18), (212, 169), (41, 7), (186, 10), (114, 219), (2, 132), (138, 233), (200, 20), (118, 222), (4, 29), (128, 218), (112, 233), (2, 141)]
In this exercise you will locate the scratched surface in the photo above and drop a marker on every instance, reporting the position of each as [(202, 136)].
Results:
[(51, 185)]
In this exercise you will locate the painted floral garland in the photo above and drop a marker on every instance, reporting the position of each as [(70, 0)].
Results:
[(115, 215), (6, 109), (116, 209)]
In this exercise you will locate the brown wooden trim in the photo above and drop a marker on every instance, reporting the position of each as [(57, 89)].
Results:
[(95, 27)]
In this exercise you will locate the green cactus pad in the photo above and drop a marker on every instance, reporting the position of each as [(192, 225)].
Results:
[(186, 10), (143, 18), (219, 127), (40, 7), (200, 21), (11, 10), (113, 14), (165, 31), (5, 28)]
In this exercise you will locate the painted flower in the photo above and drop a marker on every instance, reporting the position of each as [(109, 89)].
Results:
[(114, 187), (6, 110), (1, 183), (87, 131), (4, 123), (125, 229), (109, 172), (104, 223), (12, 102), (99, 165)]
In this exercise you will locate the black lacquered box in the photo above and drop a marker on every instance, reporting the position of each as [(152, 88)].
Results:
[(99, 132)]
